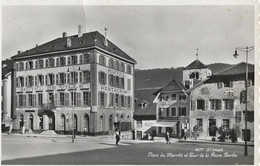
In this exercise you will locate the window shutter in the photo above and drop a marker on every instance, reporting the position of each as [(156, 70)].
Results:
[(57, 79), (66, 99), (179, 111), (220, 84), (17, 83), (231, 104), (193, 104), (206, 104), (99, 77), (24, 101), (17, 100), (46, 79), (219, 104), (76, 77), (119, 101), (79, 99), (81, 56), (64, 78), (53, 79), (105, 99), (36, 83), (27, 65), (89, 98), (68, 61), (76, 59), (34, 100), (105, 79), (125, 101), (99, 99), (32, 80), (167, 112), (68, 78), (55, 99), (131, 102), (80, 77)]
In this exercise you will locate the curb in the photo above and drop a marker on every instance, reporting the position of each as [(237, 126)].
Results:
[(219, 143)]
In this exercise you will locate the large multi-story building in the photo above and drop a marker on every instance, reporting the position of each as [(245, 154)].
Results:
[(220, 101), (83, 81)]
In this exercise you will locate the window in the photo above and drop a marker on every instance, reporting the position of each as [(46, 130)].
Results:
[(219, 85), (102, 98), (164, 98), (226, 123), (20, 100), (87, 98), (102, 78), (229, 104), (111, 80), (129, 101), (238, 116), (215, 104), (47, 63), (129, 71), (182, 97), (199, 122), (117, 100), (21, 81), (182, 111), (51, 62), (62, 99), (74, 60), (243, 97), (86, 77), (122, 101), (111, 99), (30, 80), (200, 104), (73, 98), (40, 80), (50, 98), (30, 65), (128, 84), (117, 81), (173, 97), (111, 63), (73, 77), (250, 116), (62, 78), (30, 100), (21, 65), (117, 65), (102, 60), (228, 84), (122, 82), (50, 79), (139, 123), (86, 58), (173, 111), (62, 61), (194, 75), (187, 84), (122, 67), (40, 99)]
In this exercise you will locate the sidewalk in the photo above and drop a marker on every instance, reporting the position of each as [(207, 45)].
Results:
[(203, 141)]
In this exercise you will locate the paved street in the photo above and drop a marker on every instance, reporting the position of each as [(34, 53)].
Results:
[(94, 150)]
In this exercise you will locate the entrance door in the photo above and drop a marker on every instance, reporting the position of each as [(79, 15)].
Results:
[(52, 123), (31, 122), (248, 134), (75, 123), (41, 123), (212, 122)]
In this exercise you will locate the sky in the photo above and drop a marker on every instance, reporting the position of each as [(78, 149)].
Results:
[(155, 36)]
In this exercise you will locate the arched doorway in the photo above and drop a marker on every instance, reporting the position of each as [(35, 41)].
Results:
[(75, 121), (21, 120), (111, 122), (86, 122), (41, 122), (31, 122), (63, 123), (122, 117), (101, 123)]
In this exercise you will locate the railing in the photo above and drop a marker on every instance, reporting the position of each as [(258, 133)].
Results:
[(48, 106), (169, 118)]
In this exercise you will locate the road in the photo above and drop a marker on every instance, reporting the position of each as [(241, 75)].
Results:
[(92, 151)]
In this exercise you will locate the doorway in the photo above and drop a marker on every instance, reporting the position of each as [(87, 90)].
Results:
[(212, 123), (31, 122), (52, 122)]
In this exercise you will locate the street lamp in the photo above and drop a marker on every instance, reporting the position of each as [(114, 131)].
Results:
[(246, 50), (73, 101)]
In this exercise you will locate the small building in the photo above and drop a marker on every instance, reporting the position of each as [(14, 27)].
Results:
[(80, 82), (219, 101), (145, 113), (172, 109)]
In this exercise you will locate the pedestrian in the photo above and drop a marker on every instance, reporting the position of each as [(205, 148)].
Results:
[(85, 131), (167, 137), (23, 129), (185, 134), (117, 137)]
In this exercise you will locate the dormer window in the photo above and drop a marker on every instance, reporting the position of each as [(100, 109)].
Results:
[(228, 84), (144, 104)]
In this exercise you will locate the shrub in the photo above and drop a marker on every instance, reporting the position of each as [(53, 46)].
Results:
[(197, 129)]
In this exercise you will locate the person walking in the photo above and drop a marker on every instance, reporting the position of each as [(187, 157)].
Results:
[(167, 137), (117, 137), (85, 131)]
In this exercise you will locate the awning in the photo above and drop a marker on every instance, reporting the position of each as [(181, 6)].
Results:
[(164, 124)]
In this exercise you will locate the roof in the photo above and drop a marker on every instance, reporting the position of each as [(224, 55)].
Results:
[(195, 65), (173, 86), (148, 96), (7, 69), (90, 39)]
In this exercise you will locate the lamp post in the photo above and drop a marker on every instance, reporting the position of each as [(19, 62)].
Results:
[(246, 50), (73, 101)]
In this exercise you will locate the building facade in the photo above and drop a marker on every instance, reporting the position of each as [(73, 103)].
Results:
[(83, 82), (219, 101), (172, 112)]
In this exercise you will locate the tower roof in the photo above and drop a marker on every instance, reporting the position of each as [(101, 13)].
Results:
[(195, 65)]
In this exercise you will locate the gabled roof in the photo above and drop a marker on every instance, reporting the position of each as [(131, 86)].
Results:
[(195, 65), (239, 68), (148, 96), (173, 86), (8, 67), (87, 40)]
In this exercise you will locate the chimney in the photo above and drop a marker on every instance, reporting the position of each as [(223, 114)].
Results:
[(68, 42), (18, 52), (64, 34), (80, 31), (105, 42)]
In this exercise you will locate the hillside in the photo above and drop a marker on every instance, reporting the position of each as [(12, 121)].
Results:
[(152, 78)]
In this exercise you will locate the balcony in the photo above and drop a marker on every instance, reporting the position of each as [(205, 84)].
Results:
[(168, 118)]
